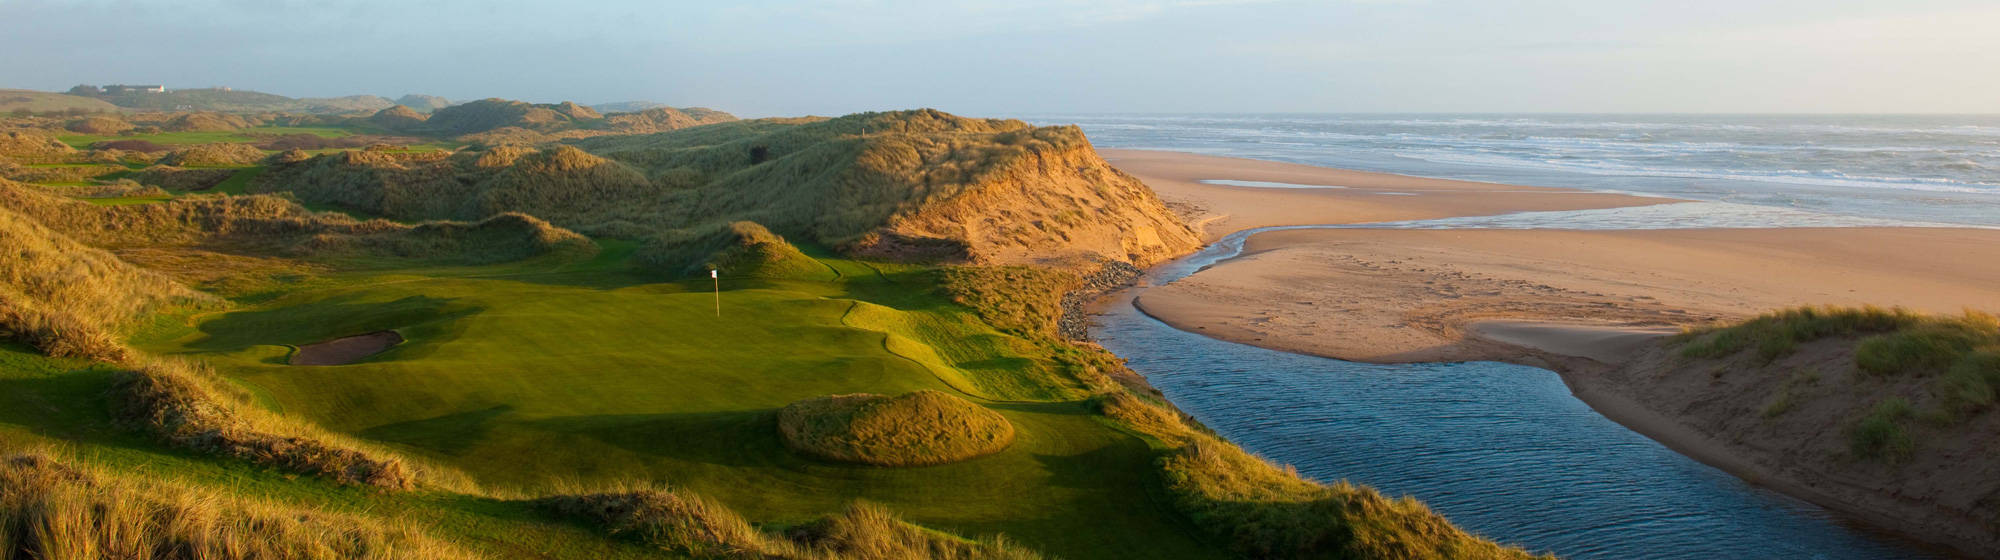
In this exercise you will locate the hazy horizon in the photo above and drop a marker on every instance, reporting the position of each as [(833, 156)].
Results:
[(1046, 57)]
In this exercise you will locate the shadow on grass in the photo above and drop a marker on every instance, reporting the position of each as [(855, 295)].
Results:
[(420, 318), (731, 438), (451, 433)]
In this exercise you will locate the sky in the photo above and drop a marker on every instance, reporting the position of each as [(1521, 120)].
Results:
[(1034, 57)]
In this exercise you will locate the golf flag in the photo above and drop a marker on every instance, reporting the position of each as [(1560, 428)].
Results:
[(716, 276), (712, 274)]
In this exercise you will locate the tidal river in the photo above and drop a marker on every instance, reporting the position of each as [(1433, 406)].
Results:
[(1502, 450)]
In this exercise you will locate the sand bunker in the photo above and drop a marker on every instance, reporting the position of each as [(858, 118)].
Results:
[(345, 350)]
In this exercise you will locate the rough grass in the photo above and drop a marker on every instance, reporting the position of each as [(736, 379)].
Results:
[(52, 509), (1958, 355), (1881, 434), (1776, 334), (914, 429), (698, 527), (1958, 351), (1021, 299)]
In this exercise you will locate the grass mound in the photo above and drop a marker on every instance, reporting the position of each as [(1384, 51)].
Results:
[(188, 406), (205, 122), (698, 527), (29, 147), (67, 299), (398, 118), (739, 250), (687, 524), (98, 125), (53, 509), (921, 428), (215, 154), (488, 114)]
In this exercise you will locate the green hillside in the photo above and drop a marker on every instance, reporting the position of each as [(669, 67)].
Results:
[(14, 100)]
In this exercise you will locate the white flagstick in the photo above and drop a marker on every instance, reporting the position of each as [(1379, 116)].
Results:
[(717, 277)]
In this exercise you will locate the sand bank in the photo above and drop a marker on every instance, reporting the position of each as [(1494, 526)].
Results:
[(1418, 295), (1361, 196)]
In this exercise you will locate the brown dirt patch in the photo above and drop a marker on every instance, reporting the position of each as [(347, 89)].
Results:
[(345, 350)]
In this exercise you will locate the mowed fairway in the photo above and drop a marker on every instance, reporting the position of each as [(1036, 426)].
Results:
[(533, 379)]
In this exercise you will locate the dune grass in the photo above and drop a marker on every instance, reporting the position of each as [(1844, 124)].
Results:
[(1881, 434), (72, 300), (1777, 334), (1957, 356), (54, 509), (1262, 510)]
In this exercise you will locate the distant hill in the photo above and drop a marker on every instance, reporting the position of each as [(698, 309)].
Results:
[(348, 104), (627, 106), (492, 113), (230, 100), (44, 102), (207, 99), (423, 103), (497, 121)]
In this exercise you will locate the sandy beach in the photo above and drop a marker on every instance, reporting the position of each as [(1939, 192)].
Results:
[(1449, 295)]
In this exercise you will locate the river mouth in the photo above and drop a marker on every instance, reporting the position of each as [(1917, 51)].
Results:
[(1503, 450)]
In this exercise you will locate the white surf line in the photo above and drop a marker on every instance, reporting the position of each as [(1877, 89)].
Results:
[(1266, 184)]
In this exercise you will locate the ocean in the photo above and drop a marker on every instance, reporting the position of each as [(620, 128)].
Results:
[(1808, 169)]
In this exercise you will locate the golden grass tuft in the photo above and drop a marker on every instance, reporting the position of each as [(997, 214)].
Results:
[(185, 404), (1266, 511), (681, 523), (698, 527), (914, 429), (54, 510)]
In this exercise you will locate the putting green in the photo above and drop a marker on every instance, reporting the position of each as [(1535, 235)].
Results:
[(529, 379)]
